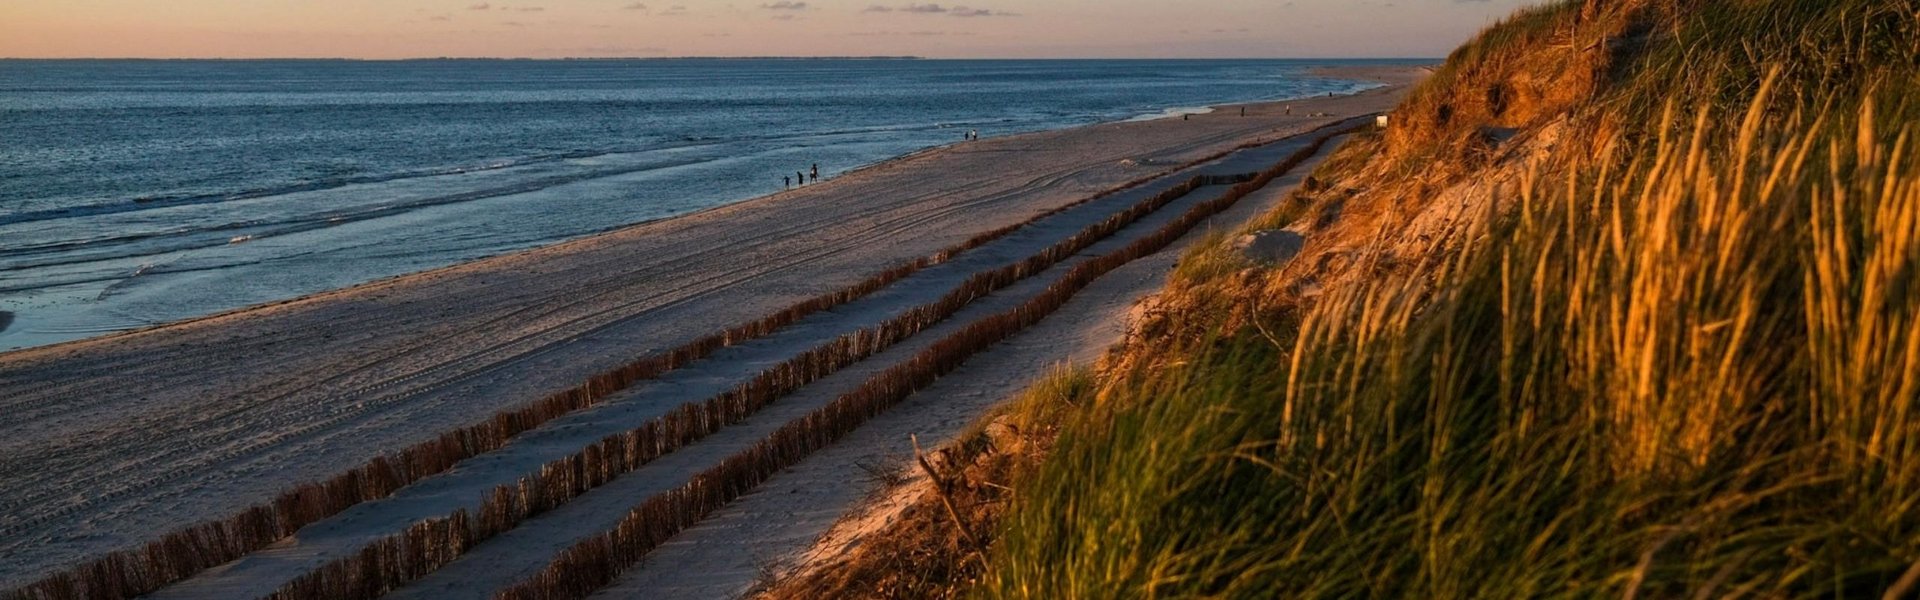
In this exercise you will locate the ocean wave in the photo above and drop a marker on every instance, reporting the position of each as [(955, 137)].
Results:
[(63, 252), (145, 203)]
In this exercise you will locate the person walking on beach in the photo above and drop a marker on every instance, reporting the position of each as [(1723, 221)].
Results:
[(816, 173), (800, 177), (786, 181)]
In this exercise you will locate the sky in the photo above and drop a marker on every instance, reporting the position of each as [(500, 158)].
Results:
[(384, 29)]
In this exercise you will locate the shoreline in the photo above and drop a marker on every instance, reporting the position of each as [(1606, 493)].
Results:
[(1383, 75)]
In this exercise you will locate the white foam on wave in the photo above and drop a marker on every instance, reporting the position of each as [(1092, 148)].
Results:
[(1177, 111)]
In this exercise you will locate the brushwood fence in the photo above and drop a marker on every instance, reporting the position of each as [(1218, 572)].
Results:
[(180, 554), (391, 562), (594, 562)]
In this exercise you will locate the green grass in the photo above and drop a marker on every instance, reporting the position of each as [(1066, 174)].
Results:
[(1513, 36), (1717, 52), (1689, 367)]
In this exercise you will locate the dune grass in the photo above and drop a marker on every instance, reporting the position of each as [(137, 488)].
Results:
[(1686, 365)]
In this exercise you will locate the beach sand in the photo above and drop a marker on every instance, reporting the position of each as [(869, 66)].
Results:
[(112, 441)]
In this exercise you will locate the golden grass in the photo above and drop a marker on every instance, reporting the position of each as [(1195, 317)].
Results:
[(1685, 368)]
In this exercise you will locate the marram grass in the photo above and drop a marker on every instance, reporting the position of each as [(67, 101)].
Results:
[(1684, 368)]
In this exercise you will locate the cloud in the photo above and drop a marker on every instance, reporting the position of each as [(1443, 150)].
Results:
[(962, 11), (513, 23), (490, 6), (440, 18), (635, 6), (785, 5), (937, 9)]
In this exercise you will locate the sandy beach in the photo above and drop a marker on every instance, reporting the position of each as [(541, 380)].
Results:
[(113, 441)]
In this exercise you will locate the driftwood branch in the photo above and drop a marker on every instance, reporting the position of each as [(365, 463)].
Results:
[(946, 496)]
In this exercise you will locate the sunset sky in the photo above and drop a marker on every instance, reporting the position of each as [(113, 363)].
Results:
[(595, 28)]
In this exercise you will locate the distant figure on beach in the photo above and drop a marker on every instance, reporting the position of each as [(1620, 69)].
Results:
[(800, 177), (816, 171), (786, 181), (1186, 117), (1243, 111), (1289, 108), (973, 134)]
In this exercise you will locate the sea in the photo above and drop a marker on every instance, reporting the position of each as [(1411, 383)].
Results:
[(141, 192)]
